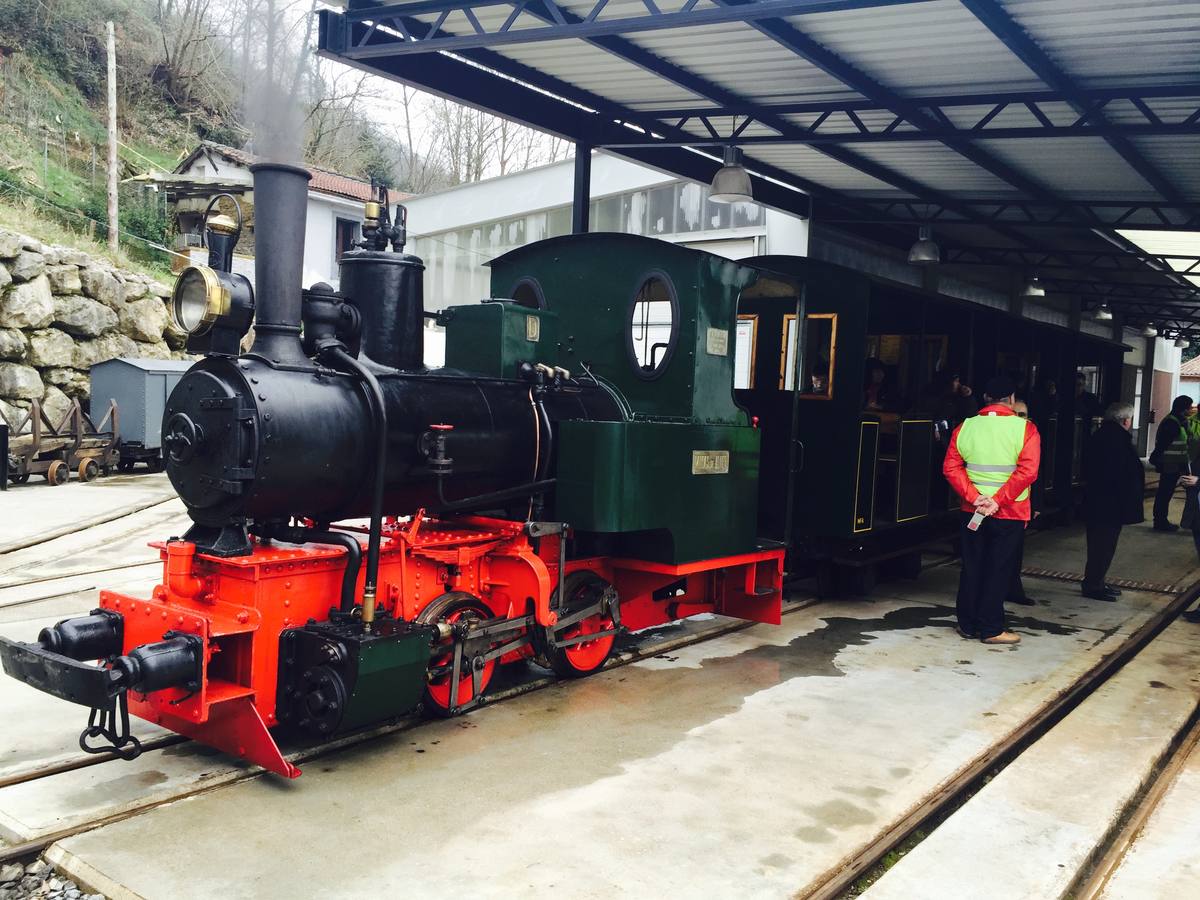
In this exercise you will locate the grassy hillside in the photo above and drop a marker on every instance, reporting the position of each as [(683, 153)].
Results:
[(53, 143)]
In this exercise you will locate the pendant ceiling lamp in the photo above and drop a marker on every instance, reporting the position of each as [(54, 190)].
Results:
[(731, 184), (925, 252)]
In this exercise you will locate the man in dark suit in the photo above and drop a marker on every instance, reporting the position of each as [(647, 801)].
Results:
[(1116, 485)]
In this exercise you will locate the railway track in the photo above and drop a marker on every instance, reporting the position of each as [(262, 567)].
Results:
[(839, 883), (1096, 878), (656, 643), (931, 810)]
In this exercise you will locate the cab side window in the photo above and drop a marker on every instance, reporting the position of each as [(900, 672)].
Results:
[(745, 342), (653, 326), (820, 356)]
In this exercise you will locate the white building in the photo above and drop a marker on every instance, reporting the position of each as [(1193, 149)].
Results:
[(335, 207), (456, 231)]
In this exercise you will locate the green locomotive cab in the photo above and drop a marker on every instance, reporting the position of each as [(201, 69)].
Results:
[(676, 479)]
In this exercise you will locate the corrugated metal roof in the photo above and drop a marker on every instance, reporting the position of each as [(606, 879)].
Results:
[(1086, 167), (920, 49), (821, 169), (719, 54), (1180, 155), (954, 103), (936, 165), (1102, 42)]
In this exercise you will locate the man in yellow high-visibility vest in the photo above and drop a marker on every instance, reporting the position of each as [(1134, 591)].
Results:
[(991, 462)]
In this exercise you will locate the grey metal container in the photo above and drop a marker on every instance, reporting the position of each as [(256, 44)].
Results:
[(141, 388)]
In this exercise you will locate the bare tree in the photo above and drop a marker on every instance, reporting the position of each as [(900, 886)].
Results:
[(421, 169), (335, 121)]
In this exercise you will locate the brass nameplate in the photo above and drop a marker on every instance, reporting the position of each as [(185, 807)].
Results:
[(710, 462), (718, 342)]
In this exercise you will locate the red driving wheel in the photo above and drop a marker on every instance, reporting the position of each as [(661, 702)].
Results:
[(456, 608), (576, 660)]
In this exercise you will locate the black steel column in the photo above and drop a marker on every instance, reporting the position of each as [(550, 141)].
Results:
[(581, 201), (3, 456)]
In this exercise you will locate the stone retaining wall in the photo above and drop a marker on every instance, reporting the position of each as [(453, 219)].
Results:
[(61, 311)]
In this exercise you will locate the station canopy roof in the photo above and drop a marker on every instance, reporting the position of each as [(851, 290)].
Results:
[(1026, 133)]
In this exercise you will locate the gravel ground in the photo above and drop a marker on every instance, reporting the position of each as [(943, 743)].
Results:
[(38, 879)]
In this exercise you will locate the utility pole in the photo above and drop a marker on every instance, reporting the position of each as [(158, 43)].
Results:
[(112, 139)]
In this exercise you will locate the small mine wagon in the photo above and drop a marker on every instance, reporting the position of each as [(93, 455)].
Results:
[(139, 387)]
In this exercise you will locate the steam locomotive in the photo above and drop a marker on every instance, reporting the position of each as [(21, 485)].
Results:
[(587, 461), (580, 466)]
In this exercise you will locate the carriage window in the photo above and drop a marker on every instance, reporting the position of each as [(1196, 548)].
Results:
[(820, 352), (527, 292), (743, 352), (653, 326)]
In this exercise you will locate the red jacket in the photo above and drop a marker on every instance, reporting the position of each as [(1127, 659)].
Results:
[(955, 470)]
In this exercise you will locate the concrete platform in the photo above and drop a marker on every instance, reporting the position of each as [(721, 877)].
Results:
[(35, 512), (1164, 861), (47, 736), (1032, 828), (95, 547), (1142, 554), (745, 766), (748, 765)]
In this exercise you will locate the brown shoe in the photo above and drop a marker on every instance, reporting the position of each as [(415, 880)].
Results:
[(1004, 637)]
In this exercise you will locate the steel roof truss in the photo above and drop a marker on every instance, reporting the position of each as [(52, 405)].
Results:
[(557, 24), (1082, 260), (998, 21), (829, 127), (1102, 214)]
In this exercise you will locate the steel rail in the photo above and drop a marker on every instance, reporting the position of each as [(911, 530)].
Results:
[(831, 885), (43, 579), (835, 882), (83, 762), (64, 530), (36, 845), (1095, 875)]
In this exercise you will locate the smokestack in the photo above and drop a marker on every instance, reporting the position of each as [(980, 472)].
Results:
[(280, 209)]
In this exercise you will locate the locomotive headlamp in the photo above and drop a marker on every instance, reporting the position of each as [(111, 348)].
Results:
[(199, 299), (215, 309)]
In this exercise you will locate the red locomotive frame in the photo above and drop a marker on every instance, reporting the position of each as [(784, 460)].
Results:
[(239, 606)]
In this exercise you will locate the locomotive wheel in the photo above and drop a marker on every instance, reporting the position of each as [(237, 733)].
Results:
[(19, 479), (453, 608), (58, 473), (125, 465), (88, 470), (577, 660)]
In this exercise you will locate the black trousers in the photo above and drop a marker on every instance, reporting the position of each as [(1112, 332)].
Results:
[(1191, 497), (1162, 497), (1016, 590), (1101, 547), (989, 557)]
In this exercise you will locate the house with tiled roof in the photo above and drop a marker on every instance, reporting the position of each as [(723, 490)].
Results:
[(1189, 378), (334, 217)]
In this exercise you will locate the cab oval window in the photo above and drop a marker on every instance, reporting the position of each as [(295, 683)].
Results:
[(527, 292), (653, 321)]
